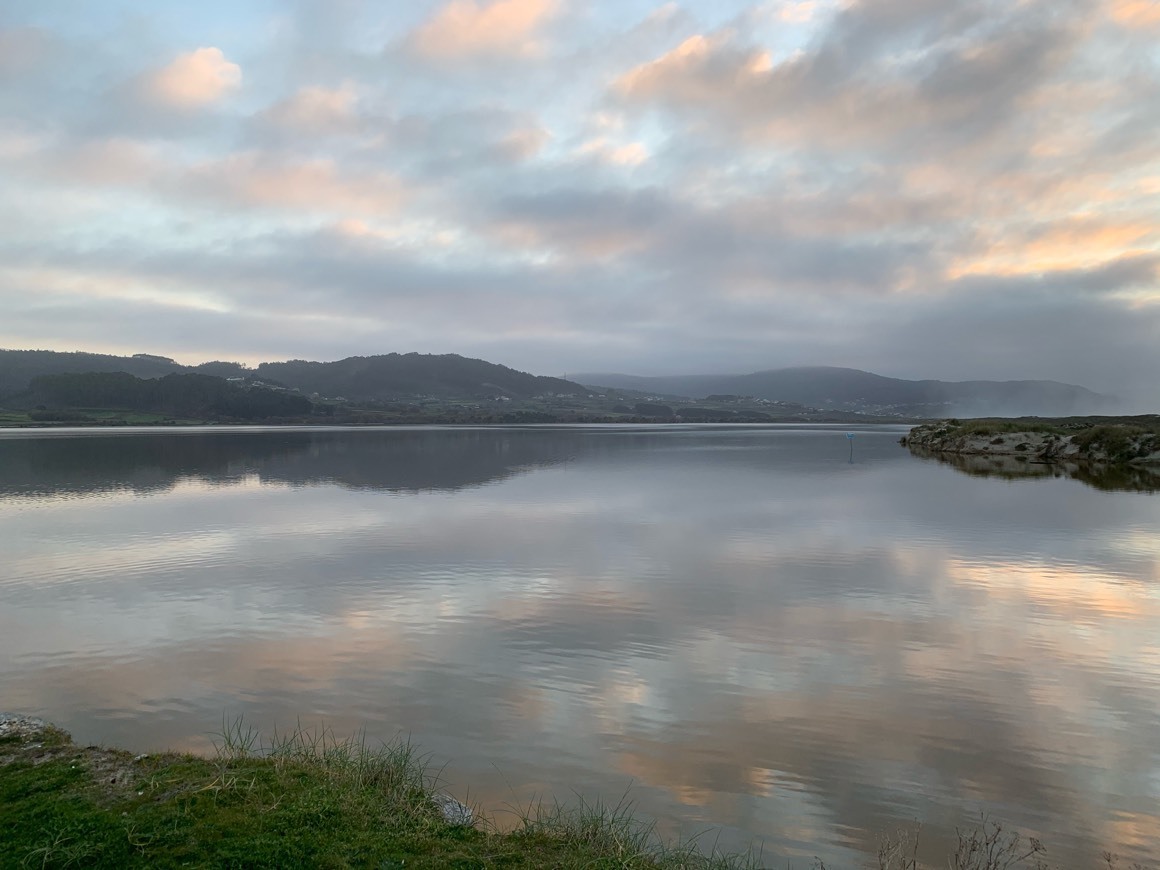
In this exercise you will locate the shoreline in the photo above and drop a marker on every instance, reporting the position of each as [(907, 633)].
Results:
[(308, 799), (454, 424), (305, 799)]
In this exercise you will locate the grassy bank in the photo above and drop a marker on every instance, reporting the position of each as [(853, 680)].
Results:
[(304, 799), (89, 417), (1090, 426), (310, 800)]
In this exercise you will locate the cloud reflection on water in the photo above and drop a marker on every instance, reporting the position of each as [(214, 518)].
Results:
[(756, 634)]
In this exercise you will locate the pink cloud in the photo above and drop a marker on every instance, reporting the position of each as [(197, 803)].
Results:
[(467, 28), (311, 186), (1135, 13), (630, 154), (1069, 244), (194, 79)]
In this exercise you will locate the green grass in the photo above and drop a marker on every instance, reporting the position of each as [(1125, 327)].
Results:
[(131, 417), (305, 799), (89, 417), (1001, 427)]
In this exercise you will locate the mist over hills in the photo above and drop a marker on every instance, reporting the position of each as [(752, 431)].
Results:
[(395, 376), (854, 390)]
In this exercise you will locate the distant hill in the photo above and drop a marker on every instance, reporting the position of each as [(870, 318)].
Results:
[(393, 375), (389, 376), (855, 390), (450, 376), (19, 367)]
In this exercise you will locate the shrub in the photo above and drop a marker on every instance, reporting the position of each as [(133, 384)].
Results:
[(1118, 443)]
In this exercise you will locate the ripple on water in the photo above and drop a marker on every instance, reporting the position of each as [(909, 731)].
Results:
[(756, 635)]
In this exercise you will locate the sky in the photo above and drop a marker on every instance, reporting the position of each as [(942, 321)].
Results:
[(920, 188)]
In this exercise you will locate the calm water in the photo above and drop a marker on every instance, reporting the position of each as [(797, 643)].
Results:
[(756, 634)]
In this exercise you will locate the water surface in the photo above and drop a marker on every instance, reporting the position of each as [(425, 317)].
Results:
[(753, 629)]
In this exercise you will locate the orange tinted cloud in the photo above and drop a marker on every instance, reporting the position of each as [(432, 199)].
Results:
[(673, 71), (1135, 13), (1077, 244), (465, 28), (632, 154)]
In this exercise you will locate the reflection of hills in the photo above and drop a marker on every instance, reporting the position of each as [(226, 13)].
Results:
[(414, 460), (398, 460), (1110, 478)]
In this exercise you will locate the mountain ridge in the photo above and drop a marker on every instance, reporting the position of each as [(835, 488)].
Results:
[(379, 377), (833, 387), (394, 376)]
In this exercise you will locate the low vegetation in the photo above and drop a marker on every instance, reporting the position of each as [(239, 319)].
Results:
[(1058, 425), (1120, 443), (305, 799), (309, 799), (1002, 426), (1100, 440)]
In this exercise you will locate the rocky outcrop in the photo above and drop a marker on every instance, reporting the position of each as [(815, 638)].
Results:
[(20, 726), (1101, 443)]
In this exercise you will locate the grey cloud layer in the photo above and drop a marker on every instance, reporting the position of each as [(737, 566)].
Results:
[(921, 187)]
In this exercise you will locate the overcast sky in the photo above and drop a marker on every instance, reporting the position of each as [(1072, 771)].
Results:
[(921, 188)]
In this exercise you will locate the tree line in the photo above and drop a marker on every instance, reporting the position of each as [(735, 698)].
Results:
[(178, 395)]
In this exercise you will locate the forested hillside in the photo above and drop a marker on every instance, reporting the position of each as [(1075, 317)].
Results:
[(184, 395), (388, 376)]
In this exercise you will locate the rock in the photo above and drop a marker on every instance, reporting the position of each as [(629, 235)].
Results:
[(454, 812), (16, 725), (1106, 443)]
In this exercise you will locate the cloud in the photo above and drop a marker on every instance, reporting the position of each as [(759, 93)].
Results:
[(255, 179), (524, 143), (799, 12), (630, 154), (23, 49), (101, 162), (471, 28), (672, 189), (1135, 13), (316, 110), (879, 79), (1062, 246), (194, 79)]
